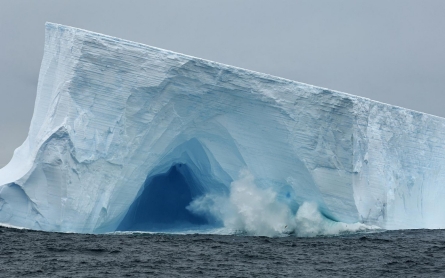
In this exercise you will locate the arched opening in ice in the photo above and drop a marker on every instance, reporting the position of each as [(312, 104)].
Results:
[(162, 203)]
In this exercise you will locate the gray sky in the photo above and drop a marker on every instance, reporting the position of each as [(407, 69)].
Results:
[(390, 51)]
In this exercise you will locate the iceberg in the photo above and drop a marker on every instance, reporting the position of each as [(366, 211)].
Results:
[(126, 137)]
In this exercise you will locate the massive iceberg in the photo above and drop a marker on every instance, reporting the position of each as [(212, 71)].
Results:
[(126, 136)]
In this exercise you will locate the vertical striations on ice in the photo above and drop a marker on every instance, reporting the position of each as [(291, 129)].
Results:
[(116, 122)]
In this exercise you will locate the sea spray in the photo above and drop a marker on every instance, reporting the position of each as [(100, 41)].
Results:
[(257, 211)]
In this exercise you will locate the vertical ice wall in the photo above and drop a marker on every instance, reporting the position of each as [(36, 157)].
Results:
[(112, 115), (399, 164)]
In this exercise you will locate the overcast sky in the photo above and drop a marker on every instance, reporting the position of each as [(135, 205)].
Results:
[(390, 51)]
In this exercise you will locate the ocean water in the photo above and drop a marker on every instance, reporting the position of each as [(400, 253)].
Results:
[(403, 253)]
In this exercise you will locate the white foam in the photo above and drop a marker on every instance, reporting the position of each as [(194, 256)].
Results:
[(12, 226), (256, 211)]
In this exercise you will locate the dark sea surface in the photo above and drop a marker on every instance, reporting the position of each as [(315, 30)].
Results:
[(405, 253)]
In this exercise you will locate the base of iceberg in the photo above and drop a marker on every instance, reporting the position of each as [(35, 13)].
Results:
[(128, 137)]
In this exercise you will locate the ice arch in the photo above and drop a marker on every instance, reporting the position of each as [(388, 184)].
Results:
[(161, 204)]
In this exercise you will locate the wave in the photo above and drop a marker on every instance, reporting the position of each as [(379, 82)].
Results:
[(252, 210)]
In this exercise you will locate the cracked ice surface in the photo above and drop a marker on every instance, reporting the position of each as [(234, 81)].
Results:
[(114, 117)]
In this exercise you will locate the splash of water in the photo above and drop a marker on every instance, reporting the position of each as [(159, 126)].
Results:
[(257, 211)]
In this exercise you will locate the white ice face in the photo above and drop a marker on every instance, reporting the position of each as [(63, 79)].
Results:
[(127, 136)]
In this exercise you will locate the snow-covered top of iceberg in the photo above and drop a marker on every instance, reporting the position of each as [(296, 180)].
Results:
[(127, 136), (222, 65)]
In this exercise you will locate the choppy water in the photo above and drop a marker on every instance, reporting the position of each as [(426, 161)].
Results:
[(407, 253)]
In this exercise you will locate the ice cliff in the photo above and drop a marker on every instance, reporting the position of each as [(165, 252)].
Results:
[(126, 136)]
